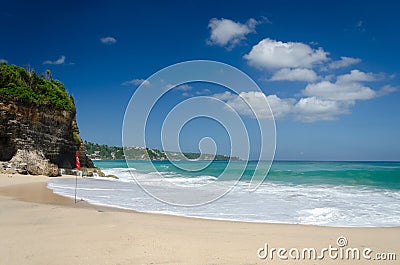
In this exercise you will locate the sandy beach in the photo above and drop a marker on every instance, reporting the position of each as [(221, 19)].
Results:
[(39, 227)]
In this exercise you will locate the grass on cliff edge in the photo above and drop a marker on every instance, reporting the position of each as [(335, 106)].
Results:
[(17, 82)]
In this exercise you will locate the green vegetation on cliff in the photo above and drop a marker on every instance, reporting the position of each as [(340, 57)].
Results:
[(22, 84), (102, 151)]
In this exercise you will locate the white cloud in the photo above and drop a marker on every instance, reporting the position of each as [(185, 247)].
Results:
[(344, 62), (348, 87), (184, 87), (108, 40), (271, 54), (203, 92), (296, 74), (3, 61), (308, 109), (136, 82), (339, 91), (326, 99), (357, 76), (241, 103), (387, 89), (224, 96), (253, 104), (60, 60), (168, 86), (225, 32), (312, 109), (280, 107)]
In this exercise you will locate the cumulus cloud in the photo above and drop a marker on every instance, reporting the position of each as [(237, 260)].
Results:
[(312, 109), (60, 60), (323, 100), (250, 104), (280, 107), (136, 82), (3, 61), (325, 96), (184, 87), (296, 74), (224, 96), (108, 40), (168, 86), (186, 91), (309, 109), (226, 32), (306, 109), (344, 62), (271, 54), (339, 91), (203, 92), (357, 76), (347, 87), (253, 104), (337, 97), (387, 89)]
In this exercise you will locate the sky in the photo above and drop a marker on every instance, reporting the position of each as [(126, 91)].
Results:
[(328, 69)]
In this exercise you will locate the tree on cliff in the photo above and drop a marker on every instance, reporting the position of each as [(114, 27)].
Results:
[(18, 83)]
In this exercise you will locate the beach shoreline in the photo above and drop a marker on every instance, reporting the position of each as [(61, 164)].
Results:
[(38, 227)]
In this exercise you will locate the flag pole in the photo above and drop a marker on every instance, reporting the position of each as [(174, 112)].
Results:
[(76, 184)]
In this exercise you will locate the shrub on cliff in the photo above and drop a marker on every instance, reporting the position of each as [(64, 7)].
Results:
[(19, 83)]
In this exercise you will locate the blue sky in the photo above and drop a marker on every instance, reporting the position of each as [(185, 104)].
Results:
[(330, 70)]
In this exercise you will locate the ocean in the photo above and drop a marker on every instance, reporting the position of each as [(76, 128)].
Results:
[(316, 193)]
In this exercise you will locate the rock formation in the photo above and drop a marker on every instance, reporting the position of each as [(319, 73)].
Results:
[(30, 162), (37, 138)]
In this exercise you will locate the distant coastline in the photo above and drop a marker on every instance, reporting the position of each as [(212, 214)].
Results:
[(105, 152)]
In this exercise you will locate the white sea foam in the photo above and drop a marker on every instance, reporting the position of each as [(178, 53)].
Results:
[(273, 202)]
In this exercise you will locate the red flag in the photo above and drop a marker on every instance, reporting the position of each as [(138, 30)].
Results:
[(78, 164)]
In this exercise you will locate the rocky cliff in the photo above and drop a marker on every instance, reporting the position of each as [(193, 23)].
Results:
[(41, 128)]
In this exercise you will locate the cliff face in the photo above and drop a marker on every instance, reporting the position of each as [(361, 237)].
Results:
[(41, 128), (38, 131)]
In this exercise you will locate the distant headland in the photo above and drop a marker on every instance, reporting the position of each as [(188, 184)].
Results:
[(105, 152)]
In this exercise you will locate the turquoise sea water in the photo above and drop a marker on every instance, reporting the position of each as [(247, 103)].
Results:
[(373, 174), (322, 193)]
